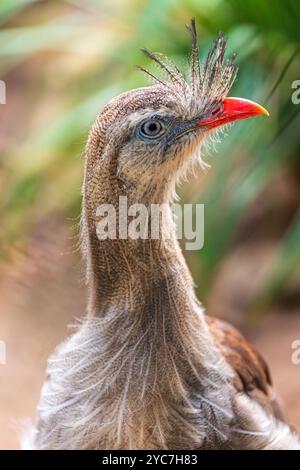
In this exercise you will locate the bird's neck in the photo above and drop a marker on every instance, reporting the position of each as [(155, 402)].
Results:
[(138, 275)]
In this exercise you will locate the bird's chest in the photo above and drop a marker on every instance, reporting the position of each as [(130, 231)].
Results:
[(109, 393)]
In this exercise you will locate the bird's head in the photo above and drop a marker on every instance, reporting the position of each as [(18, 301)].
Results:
[(145, 138)]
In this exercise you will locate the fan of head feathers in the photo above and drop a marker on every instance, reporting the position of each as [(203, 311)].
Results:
[(208, 83)]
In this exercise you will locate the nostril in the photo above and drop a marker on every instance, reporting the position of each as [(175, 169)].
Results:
[(216, 110)]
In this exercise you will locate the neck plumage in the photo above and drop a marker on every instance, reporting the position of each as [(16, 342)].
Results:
[(134, 273), (145, 289)]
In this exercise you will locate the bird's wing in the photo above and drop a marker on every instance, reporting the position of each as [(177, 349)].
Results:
[(251, 373)]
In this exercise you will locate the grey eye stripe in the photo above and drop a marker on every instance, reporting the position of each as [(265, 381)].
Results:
[(180, 129)]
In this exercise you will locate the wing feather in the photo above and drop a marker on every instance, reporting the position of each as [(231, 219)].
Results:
[(252, 375)]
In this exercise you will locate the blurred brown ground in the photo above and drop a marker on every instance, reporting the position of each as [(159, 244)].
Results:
[(42, 292)]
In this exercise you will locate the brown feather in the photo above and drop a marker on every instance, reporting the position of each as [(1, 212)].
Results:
[(252, 375)]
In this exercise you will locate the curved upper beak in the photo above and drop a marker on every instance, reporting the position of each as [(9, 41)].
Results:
[(232, 109)]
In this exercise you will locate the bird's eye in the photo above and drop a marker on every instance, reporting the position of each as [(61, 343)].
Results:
[(152, 128)]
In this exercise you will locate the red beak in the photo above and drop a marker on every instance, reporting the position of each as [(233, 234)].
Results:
[(230, 110)]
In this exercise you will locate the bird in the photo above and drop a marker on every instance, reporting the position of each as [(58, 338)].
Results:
[(146, 367)]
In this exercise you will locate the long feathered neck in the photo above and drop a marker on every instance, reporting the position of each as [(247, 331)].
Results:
[(132, 274)]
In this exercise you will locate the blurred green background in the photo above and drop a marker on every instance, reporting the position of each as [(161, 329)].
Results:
[(61, 62)]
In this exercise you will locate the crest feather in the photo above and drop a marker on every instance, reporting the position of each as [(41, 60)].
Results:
[(209, 82)]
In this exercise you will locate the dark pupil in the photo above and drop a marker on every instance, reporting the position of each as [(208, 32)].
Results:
[(152, 127)]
